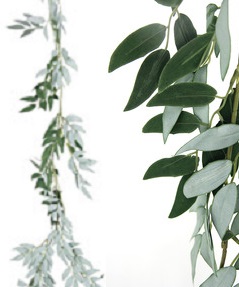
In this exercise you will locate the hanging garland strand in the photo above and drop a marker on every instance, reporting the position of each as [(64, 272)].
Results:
[(63, 132)]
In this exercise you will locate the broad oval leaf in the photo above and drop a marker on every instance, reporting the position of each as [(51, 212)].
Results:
[(185, 95), (235, 225), (208, 178), (223, 207), (194, 253), (223, 38), (188, 59), (175, 166), (213, 139), (137, 45), (147, 79), (224, 277), (181, 203), (186, 123), (184, 31), (172, 3)]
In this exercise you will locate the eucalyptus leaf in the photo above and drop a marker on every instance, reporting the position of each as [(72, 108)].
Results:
[(211, 9), (170, 118), (224, 38), (223, 207), (16, 27), (201, 213), (185, 95), (181, 203), (172, 3), (187, 60), (137, 45), (235, 224), (195, 252), (186, 123), (28, 108), (184, 31), (147, 78), (208, 178), (200, 202), (224, 277), (206, 252), (175, 166), (213, 139)]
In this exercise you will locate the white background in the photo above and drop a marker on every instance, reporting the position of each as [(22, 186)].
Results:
[(125, 230)]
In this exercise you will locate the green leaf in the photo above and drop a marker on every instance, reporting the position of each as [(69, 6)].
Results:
[(175, 166), (195, 252), (184, 31), (226, 111), (186, 123), (147, 78), (224, 277), (188, 59), (201, 213), (137, 45), (213, 139), (235, 224), (16, 27), (210, 156), (181, 203), (27, 32), (185, 95), (46, 155), (223, 38), (170, 117), (28, 108), (29, 99), (172, 3), (223, 207), (208, 178)]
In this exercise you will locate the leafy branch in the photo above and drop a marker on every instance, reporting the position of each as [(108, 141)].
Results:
[(63, 133), (208, 163)]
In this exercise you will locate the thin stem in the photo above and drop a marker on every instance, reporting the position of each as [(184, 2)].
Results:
[(224, 253), (235, 260), (169, 25)]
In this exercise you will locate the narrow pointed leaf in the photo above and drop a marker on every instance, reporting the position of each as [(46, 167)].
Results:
[(223, 207), (223, 38), (147, 79), (200, 202), (235, 225), (175, 166), (181, 203), (206, 252), (201, 212), (224, 277), (185, 95), (226, 111), (137, 45), (188, 59), (170, 117), (184, 31), (195, 252), (186, 123), (208, 178), (213, 139)]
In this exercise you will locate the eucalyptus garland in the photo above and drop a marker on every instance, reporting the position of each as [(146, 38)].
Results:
[(208, 163), (64, 134)]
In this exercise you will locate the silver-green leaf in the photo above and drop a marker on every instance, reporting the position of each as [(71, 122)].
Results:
[(225, 277), (208, 178), (213, 139), (224, 38), (223, 207)]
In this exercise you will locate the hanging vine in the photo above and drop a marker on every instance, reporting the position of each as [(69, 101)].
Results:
[(208, 163), (64, 134)]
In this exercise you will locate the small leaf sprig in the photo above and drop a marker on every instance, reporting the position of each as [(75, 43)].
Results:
[(207, 187), (63, 133)]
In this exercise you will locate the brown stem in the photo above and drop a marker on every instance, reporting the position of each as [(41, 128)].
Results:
[(224, 253)]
